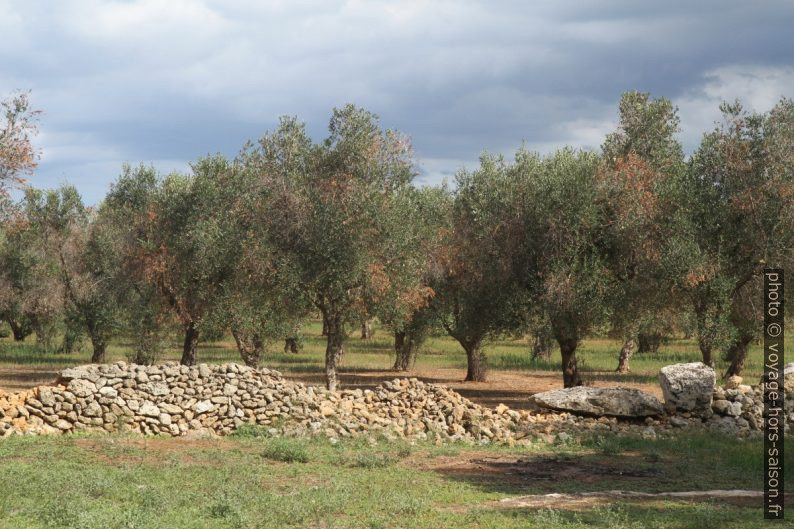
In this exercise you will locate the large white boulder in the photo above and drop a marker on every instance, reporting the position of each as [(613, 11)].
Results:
[(616, 402), (687, 387)]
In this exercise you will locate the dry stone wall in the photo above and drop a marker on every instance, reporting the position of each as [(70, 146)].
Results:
[(178, 400)]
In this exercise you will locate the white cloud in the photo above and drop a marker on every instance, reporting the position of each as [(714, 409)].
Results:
[(759, 88), (151, 80)]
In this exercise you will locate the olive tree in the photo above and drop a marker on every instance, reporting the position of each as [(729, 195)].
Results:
[(336, 216), (639, 182), (564, 259), (741, 201), (30, 297), (260, 301), (412, 322), (63, 228), (174, 238), (477, 296), (17, 127)]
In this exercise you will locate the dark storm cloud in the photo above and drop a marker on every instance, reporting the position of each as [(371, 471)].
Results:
[(166, 82)]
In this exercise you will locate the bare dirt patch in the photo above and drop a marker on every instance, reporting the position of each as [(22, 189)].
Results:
[(153, 450), (516, 473), (586, 500), (17, 378)]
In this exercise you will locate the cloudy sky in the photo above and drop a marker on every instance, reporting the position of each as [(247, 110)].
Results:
[(166, 81)]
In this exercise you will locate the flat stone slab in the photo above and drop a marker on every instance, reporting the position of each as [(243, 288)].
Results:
[(615, 402)]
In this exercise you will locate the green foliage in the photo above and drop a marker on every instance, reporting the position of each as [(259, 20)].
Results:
[(286, 450), (566, 267), (640, 184), (66, 232), (478, 294), (334, 214), (633, 240), (740, 189)]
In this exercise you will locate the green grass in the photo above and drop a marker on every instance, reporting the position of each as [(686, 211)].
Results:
[(597, 356), (253, 481)]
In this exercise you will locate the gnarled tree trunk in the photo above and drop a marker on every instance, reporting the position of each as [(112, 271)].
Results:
[(737, 353), (399, 350), (190, 345), (20, 330), (649, 343), (541, 347), (706, 353), (333, 349), (366, 330), (250, 347), (570, 373), (705, 336), (476, 361), (405, 351), (625, 355), (291, 345), (100, 347)]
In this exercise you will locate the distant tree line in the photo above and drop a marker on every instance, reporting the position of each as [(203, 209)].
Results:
[(636, 240)]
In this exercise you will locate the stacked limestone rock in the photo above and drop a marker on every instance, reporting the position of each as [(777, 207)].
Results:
[(739, 408), (736, 409), (176, 400)]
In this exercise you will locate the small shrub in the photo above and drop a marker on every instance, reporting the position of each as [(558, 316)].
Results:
[(365, 459), (608, 446), (287, 451), (251, 431)]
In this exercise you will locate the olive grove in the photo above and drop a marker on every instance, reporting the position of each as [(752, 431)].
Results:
[(637, 241)]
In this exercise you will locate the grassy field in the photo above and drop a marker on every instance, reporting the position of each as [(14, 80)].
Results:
[(22, 365), (248, 481)]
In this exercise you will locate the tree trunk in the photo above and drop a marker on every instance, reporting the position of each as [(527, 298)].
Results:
[(706, 351), (250, 348), (404, 350), (737, 354), (649, 343), (291, 345), (477, 363), (570, 374), (625, 355), (333, 349), (705, 337), (325, 327), (20, 331), (190, 345), (399, 344), (366, 330), (541, 349), (100, 346)]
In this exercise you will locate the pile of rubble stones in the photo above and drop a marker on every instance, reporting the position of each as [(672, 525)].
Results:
[(179, 400), (691, 398)]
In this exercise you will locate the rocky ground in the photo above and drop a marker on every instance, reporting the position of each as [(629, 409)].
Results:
[(179, 400)]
